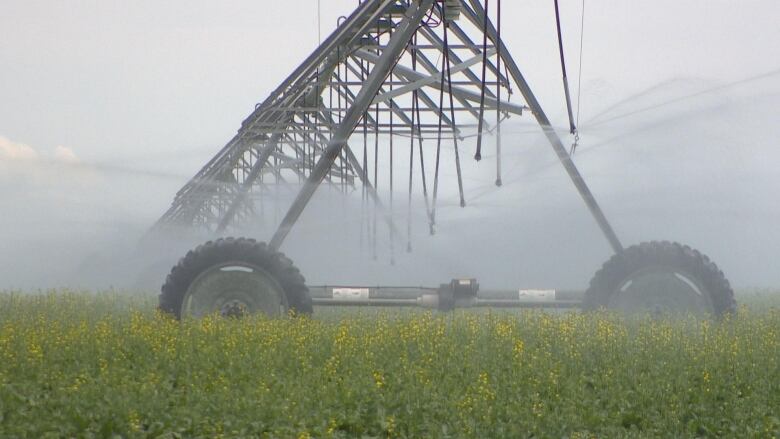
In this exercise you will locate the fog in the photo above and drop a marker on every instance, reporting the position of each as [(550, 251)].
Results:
[(681, 146)]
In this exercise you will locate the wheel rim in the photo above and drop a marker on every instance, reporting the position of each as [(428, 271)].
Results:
[(661, 291), (234, 289)]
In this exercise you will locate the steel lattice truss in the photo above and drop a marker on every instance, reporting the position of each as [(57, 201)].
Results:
[(426, 70)]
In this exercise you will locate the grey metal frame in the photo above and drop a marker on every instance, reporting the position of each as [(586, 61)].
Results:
[(300, 132)]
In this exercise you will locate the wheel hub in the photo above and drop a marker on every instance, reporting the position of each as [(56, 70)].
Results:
[(660, 291), (234, 308), (234, 290)]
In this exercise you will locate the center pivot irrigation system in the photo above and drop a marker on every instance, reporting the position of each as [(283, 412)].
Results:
[(419, 76)]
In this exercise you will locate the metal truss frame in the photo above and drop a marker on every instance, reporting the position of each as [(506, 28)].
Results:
[(410, 68)]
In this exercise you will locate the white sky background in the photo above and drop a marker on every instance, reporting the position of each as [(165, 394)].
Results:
[(159, 87)]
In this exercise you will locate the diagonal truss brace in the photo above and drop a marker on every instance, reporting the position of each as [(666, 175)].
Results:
[(431, 80)]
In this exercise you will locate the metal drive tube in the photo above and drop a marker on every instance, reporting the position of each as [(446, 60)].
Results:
[(376, 292), (433, 297), (499, 303), (365, 302)]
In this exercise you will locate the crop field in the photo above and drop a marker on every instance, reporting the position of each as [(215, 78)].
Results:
[(76, 364)]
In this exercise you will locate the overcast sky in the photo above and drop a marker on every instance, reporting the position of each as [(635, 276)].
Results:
[(145, 92), (147, 78)]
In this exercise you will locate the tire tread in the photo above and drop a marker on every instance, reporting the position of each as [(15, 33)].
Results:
[(666, 253)]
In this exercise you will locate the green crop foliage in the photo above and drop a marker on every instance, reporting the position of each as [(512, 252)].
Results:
[(78, 364)]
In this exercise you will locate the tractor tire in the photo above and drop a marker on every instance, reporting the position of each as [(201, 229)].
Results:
[(660, 268), (225, 260)]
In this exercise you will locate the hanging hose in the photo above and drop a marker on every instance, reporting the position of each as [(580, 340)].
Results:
[(304, 150), (422, 165), (346, 170), (276, 190), (411, 155), (432, 219), (364, 193), (392, 235), (478, 154), (420, 142), (316, 127), (376, 174), (341, 83), (409, 199), (452, 118), (376, 160), (498, 92)]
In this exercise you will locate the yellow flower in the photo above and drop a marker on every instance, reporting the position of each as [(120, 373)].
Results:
[(134, 420), (379, 379), (517, 350)]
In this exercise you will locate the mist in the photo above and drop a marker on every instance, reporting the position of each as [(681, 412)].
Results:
[(699, 170), (670, 153)]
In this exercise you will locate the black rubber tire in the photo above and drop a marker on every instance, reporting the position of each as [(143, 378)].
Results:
[(673, 255), (224, 250)]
